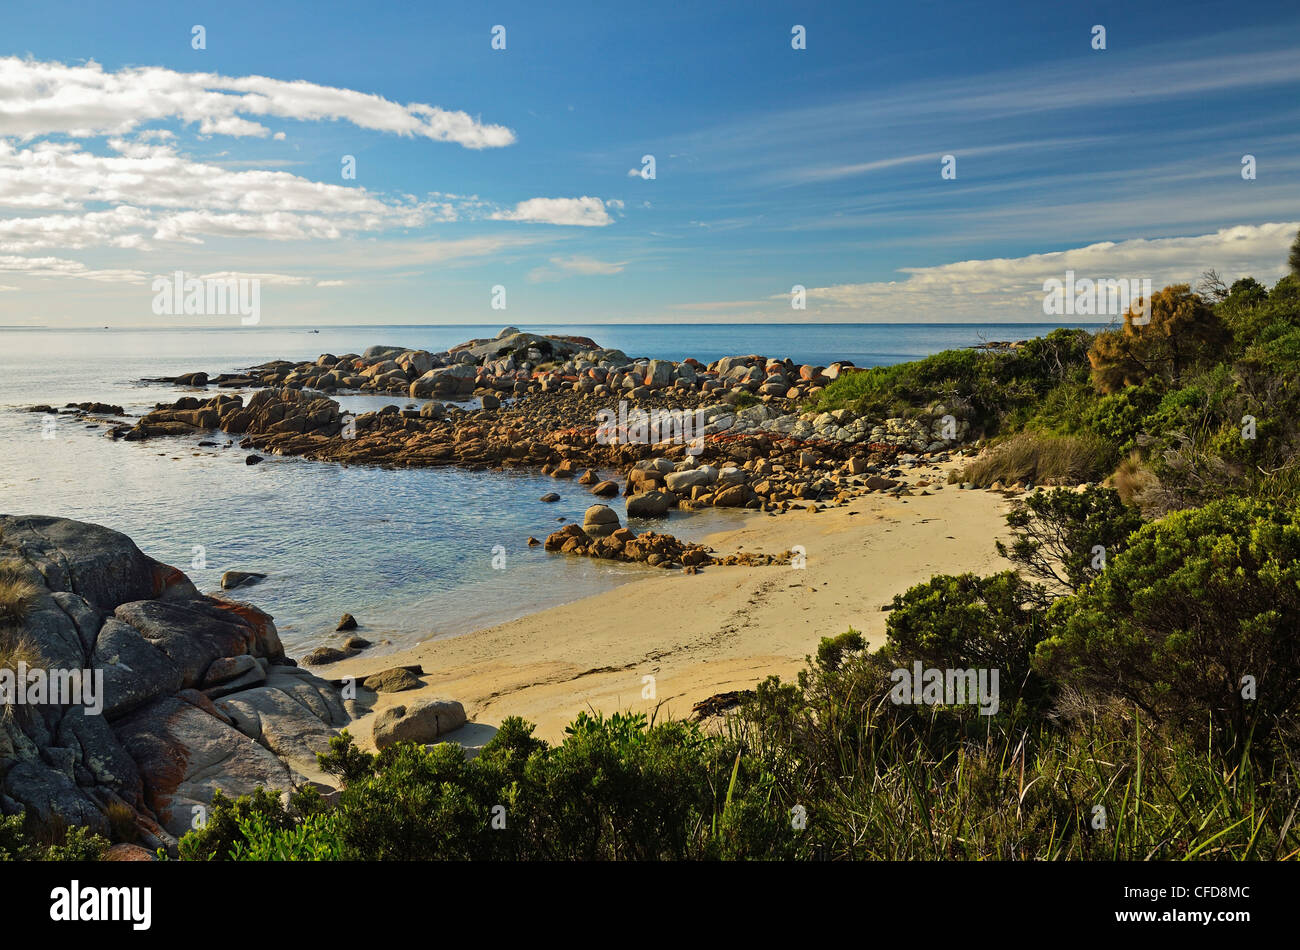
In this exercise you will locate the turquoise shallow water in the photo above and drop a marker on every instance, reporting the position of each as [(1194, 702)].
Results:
[(409, 553)]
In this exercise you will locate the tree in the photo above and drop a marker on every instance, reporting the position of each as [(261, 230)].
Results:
[(1182, 332), (1294, 260), (1065, 538), (1212, 287)]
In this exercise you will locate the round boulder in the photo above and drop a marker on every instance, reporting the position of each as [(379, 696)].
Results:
[(600, 520)]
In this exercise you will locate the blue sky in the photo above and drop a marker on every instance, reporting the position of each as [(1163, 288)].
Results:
[(478, 167)]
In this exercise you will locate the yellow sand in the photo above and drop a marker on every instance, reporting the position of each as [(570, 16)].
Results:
[(724, 629)]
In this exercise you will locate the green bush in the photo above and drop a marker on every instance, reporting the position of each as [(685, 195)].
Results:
[(972, 622), (73, 843), (1195, 603), (983, 385), (223, 832), (314, 838)]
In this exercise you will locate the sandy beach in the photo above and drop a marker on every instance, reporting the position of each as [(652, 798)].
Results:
[(697, 635)]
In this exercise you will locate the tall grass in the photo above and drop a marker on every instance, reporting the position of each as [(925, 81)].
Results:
[(885, 788), (17, 597), (1042, 459)]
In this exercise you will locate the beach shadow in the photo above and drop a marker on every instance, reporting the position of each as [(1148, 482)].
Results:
[(471, 737)]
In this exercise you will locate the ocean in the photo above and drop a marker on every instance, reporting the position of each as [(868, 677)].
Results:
[(410, 554)]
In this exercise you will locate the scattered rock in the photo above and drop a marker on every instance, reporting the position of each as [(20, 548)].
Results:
[(421, 722), (232, 579), (322, 655), (392, 681)]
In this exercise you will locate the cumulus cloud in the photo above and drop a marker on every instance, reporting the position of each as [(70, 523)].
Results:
[(579, 212), (1012, 288), (163, 196), (44, 98)]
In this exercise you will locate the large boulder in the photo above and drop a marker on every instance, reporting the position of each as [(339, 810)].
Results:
[(650, 504), (145, 742), (600, 520), (445, 381), (421, 722)]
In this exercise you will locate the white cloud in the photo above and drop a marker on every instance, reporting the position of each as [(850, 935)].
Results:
[(284, 280), (1012, 288), (61, 267), (577, 264), (581, 212), (43, 98)]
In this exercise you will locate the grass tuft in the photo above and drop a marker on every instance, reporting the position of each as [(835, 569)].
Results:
[(1042, 459)]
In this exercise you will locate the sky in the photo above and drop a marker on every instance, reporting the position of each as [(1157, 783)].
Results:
[(917, 162)]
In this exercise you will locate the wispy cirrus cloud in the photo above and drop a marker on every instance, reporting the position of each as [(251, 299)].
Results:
[(577, 264)]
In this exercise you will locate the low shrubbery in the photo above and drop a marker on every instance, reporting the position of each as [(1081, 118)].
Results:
[(19, 842), (981, 385), (1195, 623), (827, 767)]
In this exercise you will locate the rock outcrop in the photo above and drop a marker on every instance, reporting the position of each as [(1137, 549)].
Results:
[(197, 694)]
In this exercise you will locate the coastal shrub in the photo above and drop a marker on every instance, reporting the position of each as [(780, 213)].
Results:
[(344, 760), (832, 650), (1123, 416), (1041, 459), (64, 842), (1245, 311), (1060, 411), (1183, 333), (1194, 623), (821, 768), (972, 622), (314, 838), (418, 804), (617, 787), (1064, 538), (990, 382), (229, 820), (882, 782)]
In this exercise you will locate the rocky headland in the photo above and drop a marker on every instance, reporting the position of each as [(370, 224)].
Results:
[(180, 694), (666, 435)]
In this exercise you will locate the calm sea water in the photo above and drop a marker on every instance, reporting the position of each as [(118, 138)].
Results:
[(409, 553)]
